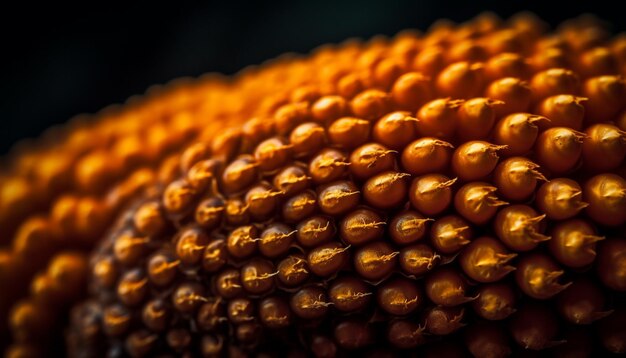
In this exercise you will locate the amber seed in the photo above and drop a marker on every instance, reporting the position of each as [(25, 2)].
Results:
[(553, 82), (292, 180), (361, 226), (228, 283), (190, 246), (211, 314), (215, 255), (506, 64), (349, 294), (248, 334), (339, 197), (431, 194), (411, 91), (606, 195), (370, 104), (395, 130), (513, 92), (604, 148), (405, 334), (314, 231), (475, 159), (329, 108), (375, 260), (262, 201), (327, 259), (519, 227), (328, 166), (310, 303), (116, 320), (538, 276), (426, 155), (559, 149), (242, 242), (446, 287), (516, 178), (257, 276), (240, 310), (399, 297), (430, 60), (518, 131), (386, 190), (29, 320), (450, 234), (349, 132), (293, 271), (477, 202), (149, 220), (573, 243), (418, 259), (156, 315), (178, 339), (290, 115), (612, 263), (300, 206), (438, 118), (210, 212), (129, 249), (442, 321), (188, 297), (495, 301), (276, 240), (606, 98), (408, 227), (371, 159), (237, 212), (140, 343), (460, 80), (563, 110), (104, 271), (307, 139), (476, 117), (486, 260), (162, 269), (274, 312), (132, 287), (202, 175), (560, 198), (239, 174)]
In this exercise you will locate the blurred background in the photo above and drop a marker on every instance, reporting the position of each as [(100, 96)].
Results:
[(59, 61)]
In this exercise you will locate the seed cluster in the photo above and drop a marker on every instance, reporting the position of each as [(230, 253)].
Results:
[(457, 192)]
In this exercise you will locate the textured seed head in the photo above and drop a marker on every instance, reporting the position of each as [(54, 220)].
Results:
[(354, 201)]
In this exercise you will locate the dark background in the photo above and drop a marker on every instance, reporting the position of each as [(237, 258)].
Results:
[(59, 61)]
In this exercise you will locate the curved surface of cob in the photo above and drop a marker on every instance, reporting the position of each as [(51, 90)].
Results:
[(458, 192)]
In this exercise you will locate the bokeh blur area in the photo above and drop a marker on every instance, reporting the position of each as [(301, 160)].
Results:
[(62, 60)]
